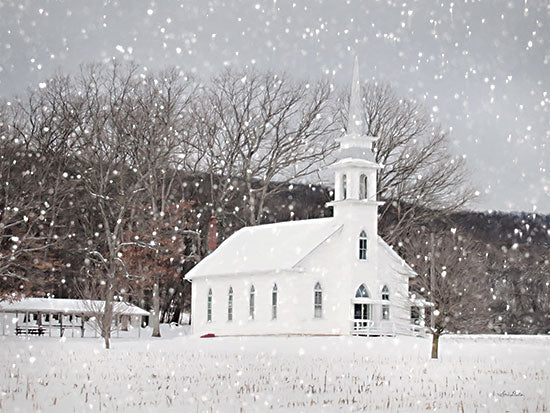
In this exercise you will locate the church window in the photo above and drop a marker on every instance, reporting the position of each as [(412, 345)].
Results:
[(363, 245), (385, 307), (230, 304), (274, 302), (363, 186), (385, 293), (251, 303), (344, 186), (318, 301), (209, 306), (362, 292)]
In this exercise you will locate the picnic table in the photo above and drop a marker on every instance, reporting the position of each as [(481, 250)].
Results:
[(32, 330)]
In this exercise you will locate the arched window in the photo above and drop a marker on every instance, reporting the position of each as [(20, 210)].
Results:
[(318, 301), (209, 306), (385, 307), (385, 293), (251, 303), (344, 186), (363, 186), (362, 292), (230, 304), (361, 310), (274, 302), (363, 245)]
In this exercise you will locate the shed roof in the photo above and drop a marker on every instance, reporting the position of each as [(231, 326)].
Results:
[(263, 248), (67, 306)]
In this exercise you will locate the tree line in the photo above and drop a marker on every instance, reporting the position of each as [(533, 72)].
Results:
[(109, 176)]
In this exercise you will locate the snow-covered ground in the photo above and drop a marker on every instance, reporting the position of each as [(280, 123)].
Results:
[(183, 373)]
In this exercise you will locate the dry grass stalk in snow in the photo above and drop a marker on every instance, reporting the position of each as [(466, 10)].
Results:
[(250, 374)]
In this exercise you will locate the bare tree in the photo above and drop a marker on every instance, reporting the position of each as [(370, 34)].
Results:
[(166, 246), (107, 172), (34, 192), (451, 276), (92, 289), (263, 129), (421, 178), (158, 122), (103, 144)]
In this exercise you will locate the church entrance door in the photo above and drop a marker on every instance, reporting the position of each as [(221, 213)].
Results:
[(362, 316)]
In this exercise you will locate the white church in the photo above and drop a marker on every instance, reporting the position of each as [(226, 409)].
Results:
[(327, 276)]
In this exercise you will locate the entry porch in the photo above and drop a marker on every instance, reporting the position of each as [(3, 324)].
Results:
[(375, 318)]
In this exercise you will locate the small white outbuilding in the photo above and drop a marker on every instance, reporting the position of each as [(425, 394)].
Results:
[(322, 276), (44, 316)]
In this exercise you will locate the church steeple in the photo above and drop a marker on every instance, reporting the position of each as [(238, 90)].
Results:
[(355, 118), (356, 168), (355, 143)]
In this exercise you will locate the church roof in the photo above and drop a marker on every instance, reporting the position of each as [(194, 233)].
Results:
[(265, 248), (389, 249)]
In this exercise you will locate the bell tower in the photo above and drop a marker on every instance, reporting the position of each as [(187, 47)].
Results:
[(355, 170)]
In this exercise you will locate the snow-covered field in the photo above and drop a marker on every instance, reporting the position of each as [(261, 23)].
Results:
[(187, 374)]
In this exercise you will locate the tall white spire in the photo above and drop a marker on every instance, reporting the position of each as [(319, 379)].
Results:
[(356, 169), (355, 136), (355, 118)]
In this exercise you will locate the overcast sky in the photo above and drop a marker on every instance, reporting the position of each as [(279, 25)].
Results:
[(481, 67)]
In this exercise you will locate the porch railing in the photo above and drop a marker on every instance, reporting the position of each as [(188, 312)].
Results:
[(362, 325), (369, 327), (385, 328)]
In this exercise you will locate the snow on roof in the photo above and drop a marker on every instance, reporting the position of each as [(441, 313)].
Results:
[(264, 248), (67, 306), (396, 256)]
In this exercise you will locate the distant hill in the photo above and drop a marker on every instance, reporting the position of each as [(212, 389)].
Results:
[(506, 227)]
